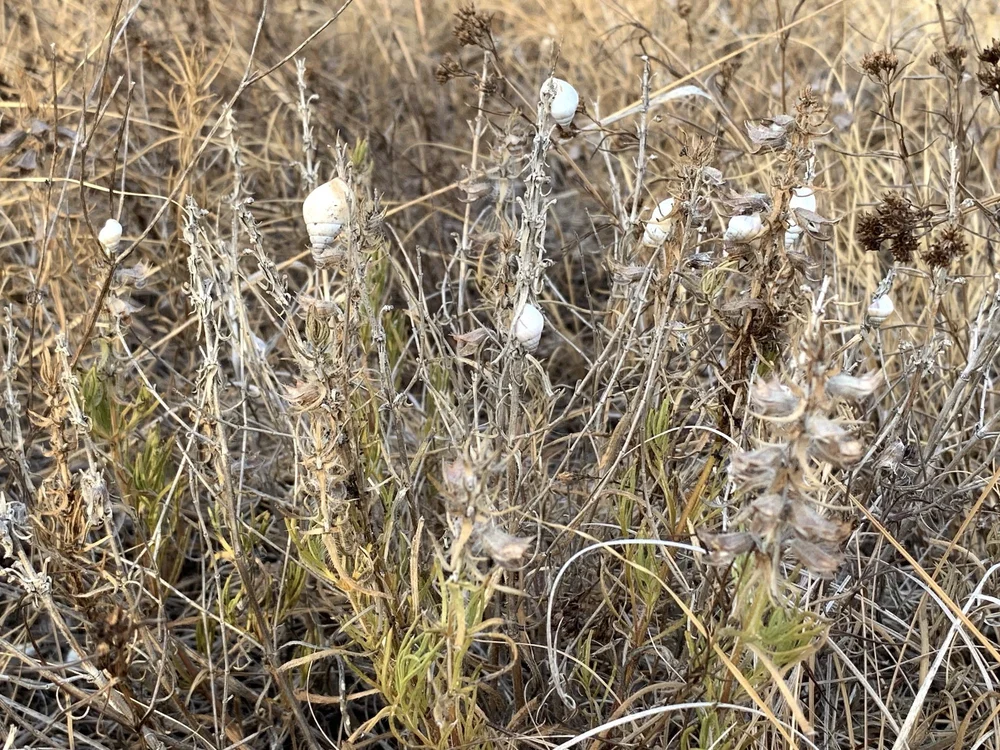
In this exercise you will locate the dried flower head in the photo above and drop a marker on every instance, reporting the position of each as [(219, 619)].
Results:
[(448, 69), (770, 134), (472, 28), (852, 388), (756, 469), (989, 72), (948, 246), (952, 60), (894, 221), (774, 399), (830, 441), (880, 66)]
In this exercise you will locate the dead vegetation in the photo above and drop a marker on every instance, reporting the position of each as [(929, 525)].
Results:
[(265, 491)]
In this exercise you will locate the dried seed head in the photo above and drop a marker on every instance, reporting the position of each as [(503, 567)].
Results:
[(449, 69), (326, 210), (894, 220), (528, 327), (852, 388), (774, 399), (723, 548), (949, 245), (830, 441), (951, 60), (991, 55), (659, 228), (563, 102), (880, 66), (472, 28), (505, 549), (770, 134), (879, 310), (743, 228), (756, 469), (110, 237), (989, 73), (815, 557)]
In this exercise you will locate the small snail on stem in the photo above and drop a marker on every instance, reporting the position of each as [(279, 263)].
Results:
[(528, 327), (804, 198), (743, 228), (879, 310), (564, 101), (660, 227), (325, 210), (110, 237)]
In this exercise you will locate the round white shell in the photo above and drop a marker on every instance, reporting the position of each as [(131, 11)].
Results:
[(110, 236), (528, 327), (743, 228), (660, 225), (325, 211), (880, 309), (564, 102), (804, 198)]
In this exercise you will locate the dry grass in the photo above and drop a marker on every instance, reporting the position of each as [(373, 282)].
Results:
[(259, 495)]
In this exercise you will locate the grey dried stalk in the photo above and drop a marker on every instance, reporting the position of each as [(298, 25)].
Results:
[(310, 173), (781, 476), (207, 298)]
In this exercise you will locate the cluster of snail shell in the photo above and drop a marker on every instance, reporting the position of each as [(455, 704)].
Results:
[(327, 209)]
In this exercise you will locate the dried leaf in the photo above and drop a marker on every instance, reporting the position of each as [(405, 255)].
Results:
[(27, 161), (815, 557), (774, 399), (816, 226), (469, 342), (12, 141), (724, 547), (505, 549), (770, 134), (812, 526)]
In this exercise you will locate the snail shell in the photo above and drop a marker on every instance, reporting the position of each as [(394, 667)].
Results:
[(659, 228), (743, 228), (880, 309), (564, 101), (110, 236), (326, 210), (804, 198), (528, 327)]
